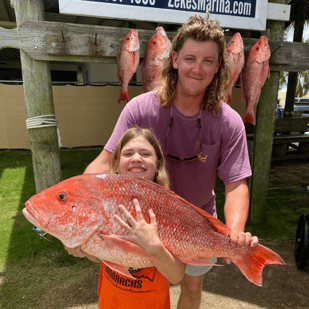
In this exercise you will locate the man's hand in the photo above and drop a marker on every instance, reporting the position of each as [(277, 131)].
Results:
[(77, 251), (243, 239)]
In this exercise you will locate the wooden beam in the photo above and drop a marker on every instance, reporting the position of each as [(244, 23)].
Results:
[(263, 137), (53, 41), (39, 101)]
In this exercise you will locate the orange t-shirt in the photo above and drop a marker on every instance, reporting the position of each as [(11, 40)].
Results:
[(149, 290)]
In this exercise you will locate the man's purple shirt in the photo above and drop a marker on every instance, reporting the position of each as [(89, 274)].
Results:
[(222, 140)]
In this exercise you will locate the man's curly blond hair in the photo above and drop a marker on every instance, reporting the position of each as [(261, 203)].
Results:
[(200, 30)]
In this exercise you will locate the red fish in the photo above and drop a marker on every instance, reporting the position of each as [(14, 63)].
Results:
[(79, 211), (254, 75), (235, 58), (157, 50), (127, 61)]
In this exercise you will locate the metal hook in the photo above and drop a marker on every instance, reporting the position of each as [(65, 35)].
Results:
[(95, 41), (62, 36)]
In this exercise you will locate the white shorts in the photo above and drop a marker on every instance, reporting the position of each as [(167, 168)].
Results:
[(196, 270)]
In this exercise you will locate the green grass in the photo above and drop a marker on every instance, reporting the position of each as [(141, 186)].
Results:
[(33, 267), (16, 186), (28, 264)]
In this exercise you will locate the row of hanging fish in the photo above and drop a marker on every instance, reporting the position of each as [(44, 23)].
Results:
[(128, 58), (253, 71)]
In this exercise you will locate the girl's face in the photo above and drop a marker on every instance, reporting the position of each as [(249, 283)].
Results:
[(138, 158)]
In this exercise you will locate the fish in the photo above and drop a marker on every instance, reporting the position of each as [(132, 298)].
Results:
[(127, 62), (255, 72), (79, 212), (157, 50), (235, 58)]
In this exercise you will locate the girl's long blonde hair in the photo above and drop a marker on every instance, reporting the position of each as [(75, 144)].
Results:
[(200, 30), (161, 176)]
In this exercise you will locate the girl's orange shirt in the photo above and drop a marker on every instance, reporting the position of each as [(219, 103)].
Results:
[(149, 289)]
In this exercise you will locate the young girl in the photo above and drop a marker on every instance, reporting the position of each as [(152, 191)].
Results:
[(138, 153)]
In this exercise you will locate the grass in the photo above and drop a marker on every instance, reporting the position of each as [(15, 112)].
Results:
[(28, 264), (31, 268)]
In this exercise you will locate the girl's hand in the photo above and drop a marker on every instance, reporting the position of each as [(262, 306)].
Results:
[(139, 231)]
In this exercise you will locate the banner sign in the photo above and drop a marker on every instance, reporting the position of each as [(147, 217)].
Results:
[(241, 14)]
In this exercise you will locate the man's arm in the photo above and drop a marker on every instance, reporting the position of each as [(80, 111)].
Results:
[(236, 210), (100, 164)]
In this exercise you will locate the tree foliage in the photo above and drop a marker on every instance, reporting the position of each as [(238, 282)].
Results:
[(302, 87)]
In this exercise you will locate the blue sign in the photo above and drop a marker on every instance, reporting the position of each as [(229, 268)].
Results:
[(245, 8)]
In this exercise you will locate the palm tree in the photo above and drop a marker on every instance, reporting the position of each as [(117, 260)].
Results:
[(302, 87)]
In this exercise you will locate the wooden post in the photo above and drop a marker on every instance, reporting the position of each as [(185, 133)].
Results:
[(264, 132), (39, 101), (293, 76)]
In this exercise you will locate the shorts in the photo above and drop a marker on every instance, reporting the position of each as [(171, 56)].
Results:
[(196, 270)]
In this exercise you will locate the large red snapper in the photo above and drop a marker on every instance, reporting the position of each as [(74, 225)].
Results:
[(127, 62), (235, 58), (254, 75), (80, 210), (157, 50)]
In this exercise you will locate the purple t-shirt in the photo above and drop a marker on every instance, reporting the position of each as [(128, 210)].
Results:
[(222, 140)]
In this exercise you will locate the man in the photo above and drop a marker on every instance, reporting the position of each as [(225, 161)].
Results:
[(199, 134)]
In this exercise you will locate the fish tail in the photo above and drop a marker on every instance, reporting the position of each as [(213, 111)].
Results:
[(123, 96), (251, 263), (249, 116)]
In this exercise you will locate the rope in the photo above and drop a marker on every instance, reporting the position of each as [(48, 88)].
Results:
[(41, 122)]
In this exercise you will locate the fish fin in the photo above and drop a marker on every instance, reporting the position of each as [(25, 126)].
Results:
[(125, 245), (253, 260), (123, 96), (136, 60), (202, 262), (118, 268), (217, 224), (249, 116)]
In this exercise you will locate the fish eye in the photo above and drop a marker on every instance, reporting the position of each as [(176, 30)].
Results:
[(62, 196)]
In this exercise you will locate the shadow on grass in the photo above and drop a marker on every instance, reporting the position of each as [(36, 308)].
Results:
[(40, 269)]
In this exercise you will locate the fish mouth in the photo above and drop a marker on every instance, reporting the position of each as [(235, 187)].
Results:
[(31, 214), (162, 32)]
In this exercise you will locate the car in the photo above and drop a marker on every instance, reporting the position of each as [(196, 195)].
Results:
[(302, 104)]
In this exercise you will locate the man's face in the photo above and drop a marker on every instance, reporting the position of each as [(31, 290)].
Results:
[(197, 63)]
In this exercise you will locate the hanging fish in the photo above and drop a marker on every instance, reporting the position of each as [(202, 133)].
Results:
[(127, 61), (254, 75), (235, 58), (157, 50)]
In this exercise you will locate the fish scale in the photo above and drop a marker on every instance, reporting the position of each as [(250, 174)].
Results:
[(79, 211)]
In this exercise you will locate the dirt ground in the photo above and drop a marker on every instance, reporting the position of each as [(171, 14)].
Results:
[(225, 287)]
